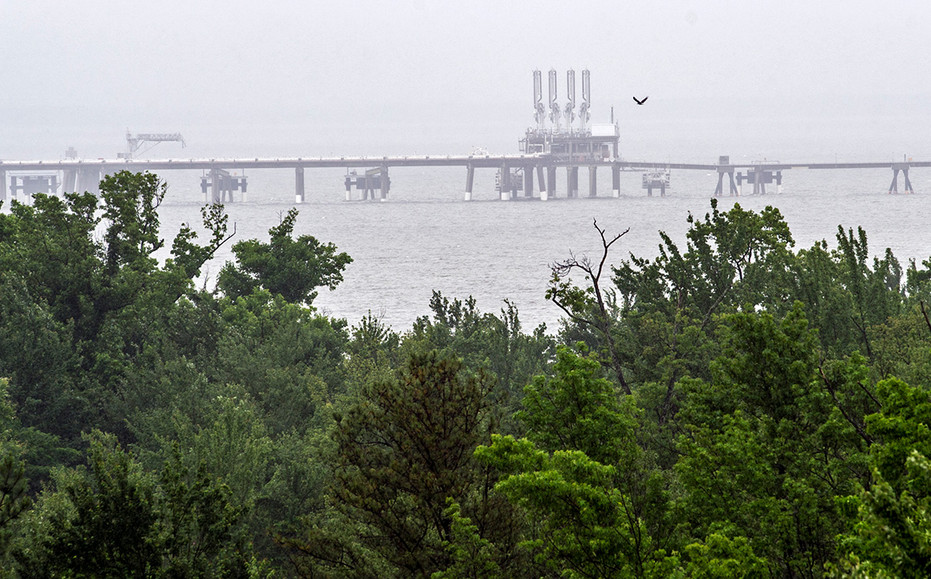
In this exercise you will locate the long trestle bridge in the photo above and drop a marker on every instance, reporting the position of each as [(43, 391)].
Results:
[(560, 140), (516, 175)]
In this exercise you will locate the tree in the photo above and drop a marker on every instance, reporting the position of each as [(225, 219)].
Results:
[(402, 451), (670, 306), (765, 450), (293, 268), (891, 535), (493, 343), (589, 307), (890, 517), (114, 519), (98, 522), (577, 409), (83, 270), (580, 473)]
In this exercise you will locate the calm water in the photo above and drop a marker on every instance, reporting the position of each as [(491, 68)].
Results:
[(426, 238)]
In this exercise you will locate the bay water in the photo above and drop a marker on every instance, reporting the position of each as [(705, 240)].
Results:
[(425, 237)]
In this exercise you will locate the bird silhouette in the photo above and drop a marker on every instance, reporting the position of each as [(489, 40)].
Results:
[(639, 101)]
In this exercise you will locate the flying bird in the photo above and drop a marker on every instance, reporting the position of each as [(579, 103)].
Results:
[(639, 101)]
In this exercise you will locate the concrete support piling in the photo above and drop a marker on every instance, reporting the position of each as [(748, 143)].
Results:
[(541, 182), (69, 181), (384, 182), (215, 186), (89, 180), (298, 184), (616, 180), (550, 182), (758, 187), (528, 181), (572, 181), (593, 181), (470, 178), (894, 186), (505, 182)]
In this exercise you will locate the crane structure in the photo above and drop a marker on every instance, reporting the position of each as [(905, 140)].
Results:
[(134, 142)]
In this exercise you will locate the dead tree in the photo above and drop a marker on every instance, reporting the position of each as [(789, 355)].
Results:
[(587, 307)]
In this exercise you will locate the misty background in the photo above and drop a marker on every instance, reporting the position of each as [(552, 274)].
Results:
[(788, 80)]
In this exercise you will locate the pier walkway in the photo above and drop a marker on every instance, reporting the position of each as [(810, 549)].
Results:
[(515, 172)]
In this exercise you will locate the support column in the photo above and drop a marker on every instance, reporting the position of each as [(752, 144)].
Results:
[(572, 182), (89, 180), (528, 181), (385, 183), (541, 182), (616, 180), (470, 177), (215, 186), (593, 181), (505, 182), (550, 182), (68, 181), (298, 184), (908, 184)]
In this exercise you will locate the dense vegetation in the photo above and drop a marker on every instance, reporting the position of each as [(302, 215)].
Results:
[(731, 408)]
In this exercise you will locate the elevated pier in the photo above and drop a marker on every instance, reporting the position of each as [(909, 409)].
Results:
[(27, 177), (561, 139)]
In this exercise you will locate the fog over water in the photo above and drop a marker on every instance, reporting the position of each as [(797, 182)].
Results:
[(792, 81)]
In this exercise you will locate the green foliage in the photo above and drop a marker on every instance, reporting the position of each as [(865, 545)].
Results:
[(892, 534), (722, 557), (101, 521), (288, 358), (471, 554), (197, 526), (902, 426), (589, 528), (755, 420), (732, 259), (766, 451), (577, 409), (13, 498), (292, 268), (84, 293), (114, 519), (493, 343), (597, 517), (402, 450)]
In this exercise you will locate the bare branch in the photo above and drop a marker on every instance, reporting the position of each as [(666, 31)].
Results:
[(560, 289), (925, 314)]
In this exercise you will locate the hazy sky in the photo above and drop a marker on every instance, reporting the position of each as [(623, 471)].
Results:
[(263, 78)]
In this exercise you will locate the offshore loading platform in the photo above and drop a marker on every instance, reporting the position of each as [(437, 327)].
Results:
[(562, 142), (560, 138)]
